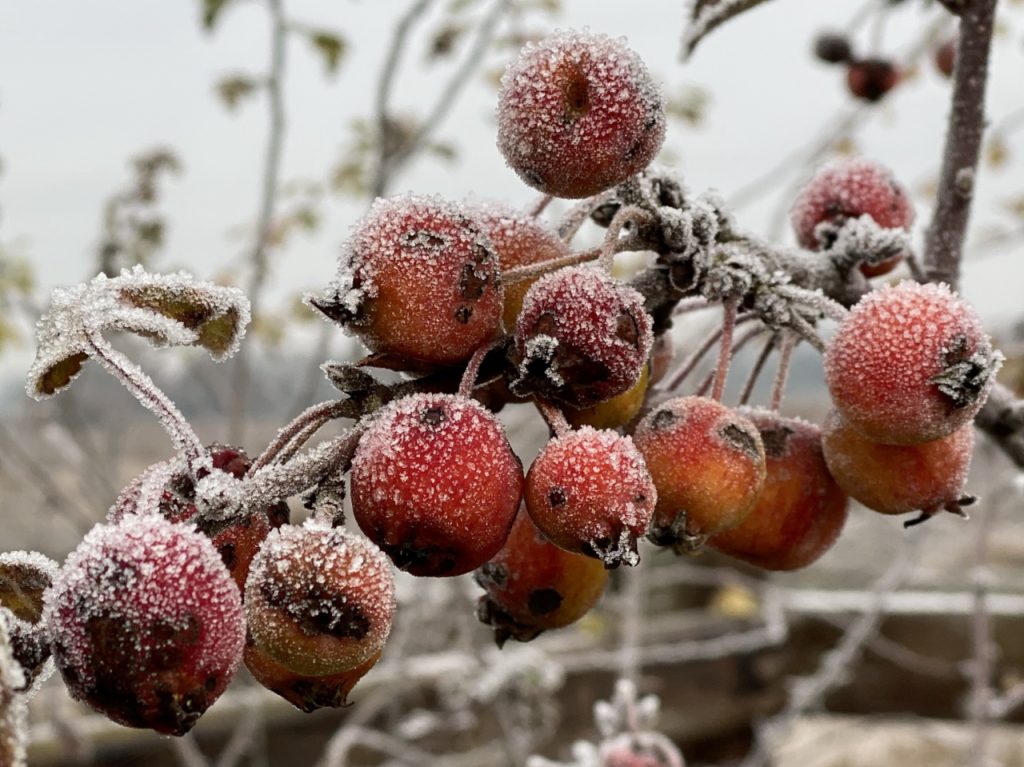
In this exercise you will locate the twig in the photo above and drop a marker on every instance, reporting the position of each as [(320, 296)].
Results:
[(983, 649), (298, 431), (259, 260), (945, 235), (755, 372)]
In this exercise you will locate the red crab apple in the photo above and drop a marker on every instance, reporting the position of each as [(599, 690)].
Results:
[(146, 623), (801, 510), (578, 113)]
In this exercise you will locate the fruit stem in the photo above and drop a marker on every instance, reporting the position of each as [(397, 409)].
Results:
[(729, 310), (624, 216), (554, 416), (755, 372), (694, 359), (944, 238), (540, 205), (296, 433), (577, 216), (788, 344), (150, 396), (528, 272), (473, 367)]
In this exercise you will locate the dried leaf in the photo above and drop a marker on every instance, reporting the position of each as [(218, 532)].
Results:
[(706, 15), (331, 48), (211, 12), (24, 576), (60, 374), (233, 88)]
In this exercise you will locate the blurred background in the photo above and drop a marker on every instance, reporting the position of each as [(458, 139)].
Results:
[(241, 139)]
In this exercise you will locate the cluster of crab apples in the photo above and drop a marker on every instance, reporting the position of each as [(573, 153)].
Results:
[(150, 617)]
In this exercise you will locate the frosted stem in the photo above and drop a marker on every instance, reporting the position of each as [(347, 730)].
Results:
[(725, 351), (554, 416), (629, 214), (789, 342), (473, 368), (150, 396), (301, 428), (755, 372), (541, 205)]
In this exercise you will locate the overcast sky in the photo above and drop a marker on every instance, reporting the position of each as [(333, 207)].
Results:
[(86, 85)]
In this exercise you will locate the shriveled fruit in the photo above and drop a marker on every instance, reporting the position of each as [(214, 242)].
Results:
[(911, 363), (319, 600), (589, 492), (532, 585), (146, 623), (435, 484), (708, 464), (418, 281), (578, 113), (306, 693), (24, 578), (801, 510), (581, 338), (897, 479)]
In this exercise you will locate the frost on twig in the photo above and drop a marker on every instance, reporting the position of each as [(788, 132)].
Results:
[(166, 310), (705, 15), (626, 724)]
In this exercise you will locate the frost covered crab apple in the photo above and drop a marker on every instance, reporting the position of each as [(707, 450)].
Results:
[(418, 281), (578, 113), (911, 363), (435, 484), (146, 624)]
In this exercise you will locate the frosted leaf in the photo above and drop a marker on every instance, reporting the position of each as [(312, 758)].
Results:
[(706, 15), (863, 241), (319, 600), (146, 623), (12, 706), (166, 310)]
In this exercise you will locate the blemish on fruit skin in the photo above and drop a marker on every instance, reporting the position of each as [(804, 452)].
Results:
[(544, 601)]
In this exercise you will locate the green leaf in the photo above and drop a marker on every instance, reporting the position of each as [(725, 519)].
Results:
[(331, 47)]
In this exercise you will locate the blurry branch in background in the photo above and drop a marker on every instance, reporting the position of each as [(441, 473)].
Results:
[(133, 226)]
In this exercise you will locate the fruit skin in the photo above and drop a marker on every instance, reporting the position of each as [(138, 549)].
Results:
[(615, 412), (435, 484), (871, 79), (708, 464), (944, 57), (532, 585), (578, 113), (519, 240), (418, 280), (897, 479), (848, 189), (237, 539), (306, 693), (911, 363), (801, 510), (146, 623), (582, 337), (319, 600), (590, 493)]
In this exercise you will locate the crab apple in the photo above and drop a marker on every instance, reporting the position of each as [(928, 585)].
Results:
[(418, 281), (24, 578), (145, 622), (319, 600), (708, 464), (944, 57), (848, 189), (833, 48), (589, 492), (578, 113), (519, 240), (871, 79), (911, 363), (897, 479), (435, 484), (801, 510), (306, 693), (237, 538), (532, 585), (615, 412), (582, 337)]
